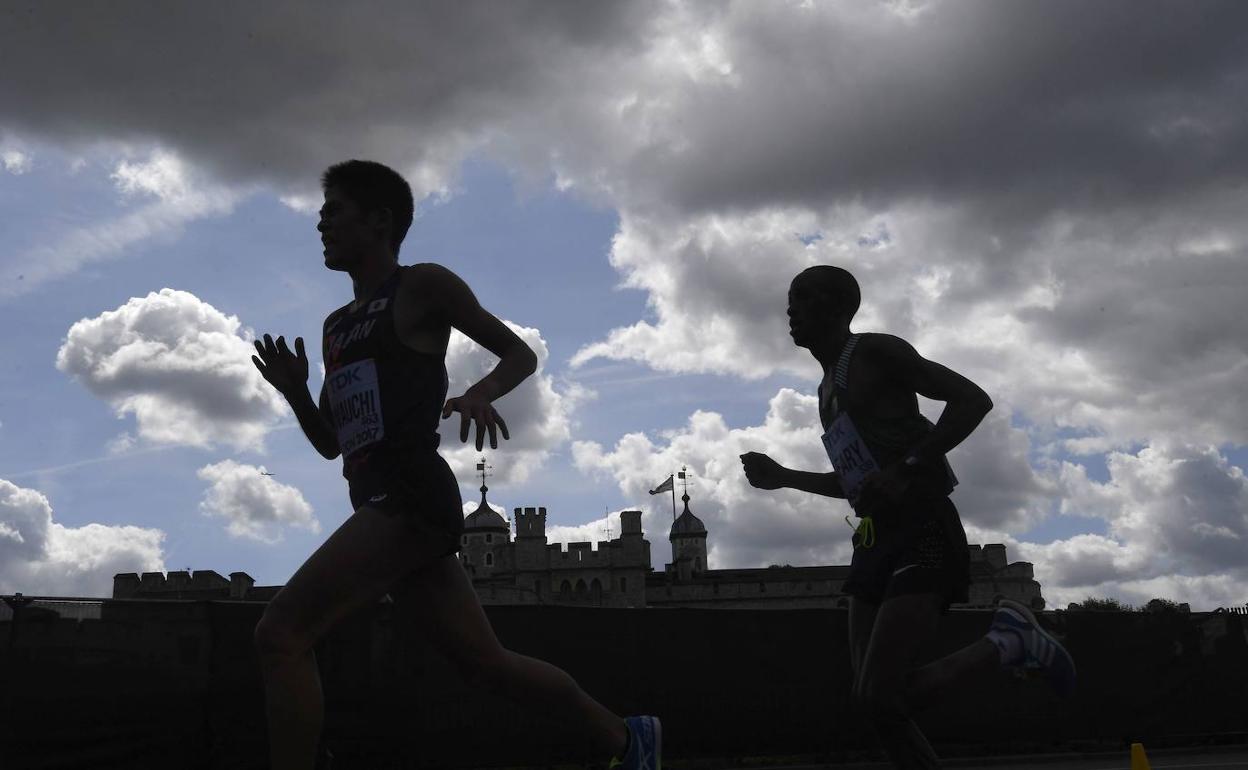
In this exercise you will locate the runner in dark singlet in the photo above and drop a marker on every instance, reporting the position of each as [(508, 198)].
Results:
[(911, 559), (383, 399)]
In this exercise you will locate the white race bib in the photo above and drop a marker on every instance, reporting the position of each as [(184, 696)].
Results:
[(355, 400), (849, 455)]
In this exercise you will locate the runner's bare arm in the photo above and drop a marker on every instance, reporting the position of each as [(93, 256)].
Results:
[(288, 372), (313, 420), (765, 473), (966, 404), (826, 484), (441, 289)]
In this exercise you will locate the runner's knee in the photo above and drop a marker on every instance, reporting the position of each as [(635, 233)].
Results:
[(273, 637), (484, 670), (879, 703)]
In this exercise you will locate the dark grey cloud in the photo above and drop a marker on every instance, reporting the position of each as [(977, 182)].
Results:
[(273, 92), (1012, 103)]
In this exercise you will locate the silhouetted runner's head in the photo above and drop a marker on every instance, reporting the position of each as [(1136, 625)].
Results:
[(368, 210), (822, 301)]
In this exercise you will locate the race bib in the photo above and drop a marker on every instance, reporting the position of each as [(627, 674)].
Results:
[(849, 455), (355, 400)]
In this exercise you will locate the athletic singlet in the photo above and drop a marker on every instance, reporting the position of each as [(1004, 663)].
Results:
[(382, 394), (886, 438)]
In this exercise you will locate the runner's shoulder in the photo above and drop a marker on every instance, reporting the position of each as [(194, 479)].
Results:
[(430, 278), (886, 350), (430, 282), (333, 316)]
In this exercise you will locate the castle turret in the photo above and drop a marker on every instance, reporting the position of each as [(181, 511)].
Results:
[(486, 533), (688, 537), (630, 524), (531, 524), (531, 539)]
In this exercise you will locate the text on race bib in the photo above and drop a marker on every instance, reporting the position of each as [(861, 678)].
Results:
[(849, 455), (355, 400)]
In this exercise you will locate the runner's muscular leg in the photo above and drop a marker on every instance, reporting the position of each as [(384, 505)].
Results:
[(861, 620), (350, 571), (438, 601), (903, 625)]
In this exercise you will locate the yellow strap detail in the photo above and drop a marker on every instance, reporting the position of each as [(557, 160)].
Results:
[(865, 531)]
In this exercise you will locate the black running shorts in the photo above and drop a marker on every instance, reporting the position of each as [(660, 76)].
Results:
[(417, 486), (920, 547)]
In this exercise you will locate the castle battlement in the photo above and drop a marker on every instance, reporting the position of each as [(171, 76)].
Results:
[(130, 584)]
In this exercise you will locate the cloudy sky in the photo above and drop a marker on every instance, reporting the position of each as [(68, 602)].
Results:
[(1047, 197)]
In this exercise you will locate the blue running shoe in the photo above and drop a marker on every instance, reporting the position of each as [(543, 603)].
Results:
[(645, 745), (1041, 651)]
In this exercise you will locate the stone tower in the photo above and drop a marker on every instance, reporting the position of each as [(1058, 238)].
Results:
[(531, 538), (486, 535), (688, 536)]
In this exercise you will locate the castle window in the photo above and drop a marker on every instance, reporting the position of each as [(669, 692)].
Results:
[(623, 584), (762, 587), (565, 588), (489, 560), (489, 537)]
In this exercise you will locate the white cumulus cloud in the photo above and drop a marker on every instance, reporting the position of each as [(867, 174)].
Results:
[(39, 556), (1177, 521), (254, 506), (746, 527), (179, 366), (539, 416)]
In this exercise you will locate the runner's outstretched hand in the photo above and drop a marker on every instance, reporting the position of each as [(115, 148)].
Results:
[(474, 407), (762, 471), (284, 370)]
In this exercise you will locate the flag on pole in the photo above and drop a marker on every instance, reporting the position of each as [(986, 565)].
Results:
[(666, 486)]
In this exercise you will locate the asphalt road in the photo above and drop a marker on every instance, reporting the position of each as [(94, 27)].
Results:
[(1232, 759), (1237, 760)]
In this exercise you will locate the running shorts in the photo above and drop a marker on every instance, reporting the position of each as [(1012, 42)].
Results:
[(919, 547), (417, 486)]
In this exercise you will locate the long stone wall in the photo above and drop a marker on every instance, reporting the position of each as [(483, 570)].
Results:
[(175, 684)]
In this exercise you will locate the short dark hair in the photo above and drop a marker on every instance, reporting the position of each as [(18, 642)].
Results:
[(839, 283), (373, 186)]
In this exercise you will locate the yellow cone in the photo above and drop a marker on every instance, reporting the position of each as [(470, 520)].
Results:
[(1139, 761)]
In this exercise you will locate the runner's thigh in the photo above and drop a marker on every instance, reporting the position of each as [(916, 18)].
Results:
[(439, 602), (352, 569), (861, 620), (904, 625)]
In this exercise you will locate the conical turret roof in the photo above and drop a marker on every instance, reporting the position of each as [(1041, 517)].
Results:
[(485, 518), (686, 523)]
